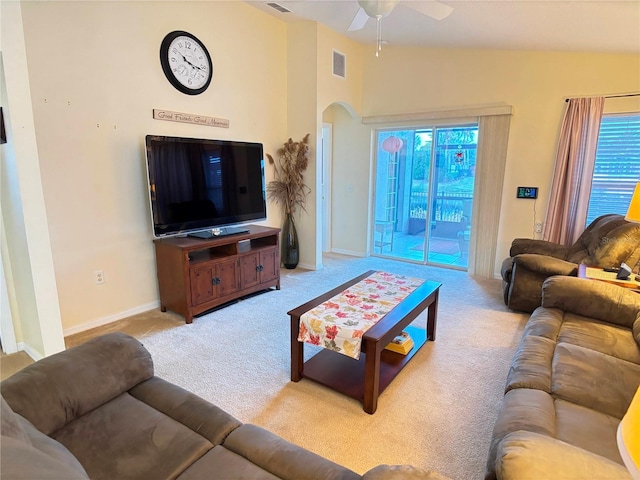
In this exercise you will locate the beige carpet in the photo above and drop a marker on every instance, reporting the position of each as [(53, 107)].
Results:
[(438, 413)]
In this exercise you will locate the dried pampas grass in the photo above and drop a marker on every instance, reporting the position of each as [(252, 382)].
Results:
[(288, 189)]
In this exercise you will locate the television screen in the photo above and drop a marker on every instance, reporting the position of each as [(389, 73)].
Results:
[(199, 184)]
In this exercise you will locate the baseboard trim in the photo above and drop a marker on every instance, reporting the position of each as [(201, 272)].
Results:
[(306, 266), (29, 350), (110, 318), (351, 253)]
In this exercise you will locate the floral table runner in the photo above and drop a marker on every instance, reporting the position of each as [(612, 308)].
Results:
[(339, 323)]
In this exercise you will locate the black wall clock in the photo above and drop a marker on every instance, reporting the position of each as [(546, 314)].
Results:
[(186, 62)]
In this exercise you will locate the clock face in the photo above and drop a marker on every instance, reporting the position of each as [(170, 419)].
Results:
[(186, 62)]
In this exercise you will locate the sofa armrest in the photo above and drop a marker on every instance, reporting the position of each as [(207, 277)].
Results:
[(58, 389), (526, 455), (545, 265), (540, 247), (401, 472), (202, 417), (282, 458), (591, 298)]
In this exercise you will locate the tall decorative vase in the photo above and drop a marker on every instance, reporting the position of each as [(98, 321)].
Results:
[(290, 245)]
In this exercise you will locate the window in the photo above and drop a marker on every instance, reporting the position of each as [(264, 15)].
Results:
[(617, 167)]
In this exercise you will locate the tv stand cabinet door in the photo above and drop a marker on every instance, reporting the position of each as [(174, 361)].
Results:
[(249, 270), (270, 265), (202, 284), (228, 279)]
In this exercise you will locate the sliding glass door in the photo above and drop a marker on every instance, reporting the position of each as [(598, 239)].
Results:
[(424, 194)]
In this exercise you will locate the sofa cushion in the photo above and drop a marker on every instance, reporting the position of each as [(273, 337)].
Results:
[(28, 453), (21, 461), (62, 387), (599, 336), (607, 241), (593, 379), (283, 459), (615, 247), (127, 439), (531, 456), (589, 429)]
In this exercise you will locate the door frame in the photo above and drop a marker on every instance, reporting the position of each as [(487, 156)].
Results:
[(7, 332), (325, 184)]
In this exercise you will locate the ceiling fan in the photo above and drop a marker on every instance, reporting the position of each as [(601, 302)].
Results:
[(378, 9)]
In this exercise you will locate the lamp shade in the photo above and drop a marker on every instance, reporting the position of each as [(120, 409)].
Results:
[(629, 436), (633, 214), (392, 144)]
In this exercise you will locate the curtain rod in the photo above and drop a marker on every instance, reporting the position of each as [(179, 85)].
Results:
[(615, 96)]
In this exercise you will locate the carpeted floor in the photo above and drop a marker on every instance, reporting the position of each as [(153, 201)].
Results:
[(438, 413)]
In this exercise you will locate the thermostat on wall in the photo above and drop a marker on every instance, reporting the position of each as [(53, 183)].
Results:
[(527, 192)]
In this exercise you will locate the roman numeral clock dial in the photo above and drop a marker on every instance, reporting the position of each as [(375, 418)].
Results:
[(186, 62)]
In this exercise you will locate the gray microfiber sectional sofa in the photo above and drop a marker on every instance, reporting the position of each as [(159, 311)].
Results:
[(97, 411), (571, 380)]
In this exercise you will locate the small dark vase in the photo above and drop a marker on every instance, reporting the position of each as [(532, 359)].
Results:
[(290, 246)]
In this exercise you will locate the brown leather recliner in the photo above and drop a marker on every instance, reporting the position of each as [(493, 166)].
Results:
[(607, 242)]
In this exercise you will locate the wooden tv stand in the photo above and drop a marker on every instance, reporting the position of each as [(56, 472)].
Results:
[(196, 275)]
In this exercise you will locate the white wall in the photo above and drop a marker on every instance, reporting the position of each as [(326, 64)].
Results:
[(313, 88), (26, 255), (95, 77), (302, 38)]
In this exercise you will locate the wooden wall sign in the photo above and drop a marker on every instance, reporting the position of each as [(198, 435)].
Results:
[(190, 118)]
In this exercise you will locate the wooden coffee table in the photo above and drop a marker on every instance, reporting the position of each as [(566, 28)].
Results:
[(365, 379)]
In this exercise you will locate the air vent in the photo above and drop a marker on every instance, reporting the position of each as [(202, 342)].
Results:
[(339, 64), (278, 7)]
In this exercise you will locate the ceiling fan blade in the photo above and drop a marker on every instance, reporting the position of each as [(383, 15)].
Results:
[(431, 8), (359, 20)]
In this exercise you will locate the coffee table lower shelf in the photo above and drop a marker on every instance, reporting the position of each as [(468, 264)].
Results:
[(346, 375)]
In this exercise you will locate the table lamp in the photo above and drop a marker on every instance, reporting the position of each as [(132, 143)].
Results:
[(629, 436), (633, 213)]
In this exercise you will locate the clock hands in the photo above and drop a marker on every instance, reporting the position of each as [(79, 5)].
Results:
[(191, 64)]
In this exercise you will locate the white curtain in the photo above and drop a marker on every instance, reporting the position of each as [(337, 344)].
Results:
[(493, 136)]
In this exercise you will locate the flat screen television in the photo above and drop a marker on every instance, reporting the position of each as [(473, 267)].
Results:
[(204, 187)]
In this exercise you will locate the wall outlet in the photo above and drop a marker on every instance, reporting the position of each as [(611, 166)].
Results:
[(538, 227), (98, 277)]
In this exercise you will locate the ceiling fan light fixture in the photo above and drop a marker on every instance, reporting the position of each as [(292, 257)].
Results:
[(378, 8)]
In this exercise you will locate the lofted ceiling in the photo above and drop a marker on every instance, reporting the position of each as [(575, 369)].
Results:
[(607, 26)]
